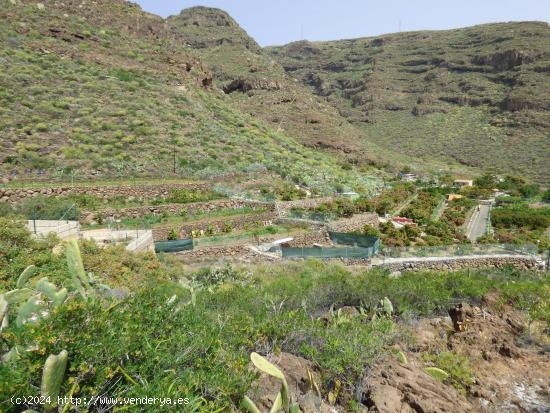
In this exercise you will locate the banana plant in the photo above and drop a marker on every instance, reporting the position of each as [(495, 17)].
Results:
[(283, 402)]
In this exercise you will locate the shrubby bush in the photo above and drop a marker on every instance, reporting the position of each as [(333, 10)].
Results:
[(43, 207), (185, 196), (524, 217)]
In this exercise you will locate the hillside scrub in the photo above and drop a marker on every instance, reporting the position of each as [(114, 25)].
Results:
[(194, 337), (145, 105)]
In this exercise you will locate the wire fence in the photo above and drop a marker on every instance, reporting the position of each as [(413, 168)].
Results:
[(460, 250), (220, 240), (174, 246), (328, 253), (355, 240), (358, 246)]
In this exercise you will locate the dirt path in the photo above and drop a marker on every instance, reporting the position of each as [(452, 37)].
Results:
[(405, 204), (438, 212)]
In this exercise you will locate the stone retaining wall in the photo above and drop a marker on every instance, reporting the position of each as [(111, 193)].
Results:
[(308, 239), (355, 223), (175, 209), (238, 222), (14, 195), (215, 252), (284, 207), (458, 263)]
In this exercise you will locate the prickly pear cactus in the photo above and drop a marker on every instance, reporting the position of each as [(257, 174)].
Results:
[(52, 377), (387, 306), (76, 267), (18, 296), (283, 401), (50, 291), (30, 310), (4, 306), (25, 276)]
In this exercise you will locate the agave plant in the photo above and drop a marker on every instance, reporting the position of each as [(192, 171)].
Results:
[(283, 402)]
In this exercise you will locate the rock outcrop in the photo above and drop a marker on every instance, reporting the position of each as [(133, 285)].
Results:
[(397, 388)]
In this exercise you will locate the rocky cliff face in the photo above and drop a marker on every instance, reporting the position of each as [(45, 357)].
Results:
[(476, 96), (204, 27)]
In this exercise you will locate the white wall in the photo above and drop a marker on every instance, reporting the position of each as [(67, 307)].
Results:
[(63, 229)]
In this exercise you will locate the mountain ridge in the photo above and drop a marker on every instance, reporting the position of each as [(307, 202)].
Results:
[(456, 101), (491, 78)]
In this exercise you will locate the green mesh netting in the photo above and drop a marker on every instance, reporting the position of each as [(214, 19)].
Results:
[(174, 246)]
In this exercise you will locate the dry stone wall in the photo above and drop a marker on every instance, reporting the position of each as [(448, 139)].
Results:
[(309, 239), (239, 222), (215, 252), (458, 263), (355, 223), (14, 195), (284, 207), (176, 209)]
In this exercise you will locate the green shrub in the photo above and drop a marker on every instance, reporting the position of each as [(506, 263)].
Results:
[(210, 230), (5, 209), (184, 196), (43, 207), (532, 218), (172, 235), (458, 368)]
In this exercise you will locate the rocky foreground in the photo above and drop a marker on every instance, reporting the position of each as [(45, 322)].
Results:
[(511, 373)]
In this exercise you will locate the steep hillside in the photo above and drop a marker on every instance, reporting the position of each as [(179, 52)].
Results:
[(102, 88), (477, 96), (258, 85)]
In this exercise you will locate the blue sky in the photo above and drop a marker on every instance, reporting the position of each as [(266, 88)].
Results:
[(281, 21)]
